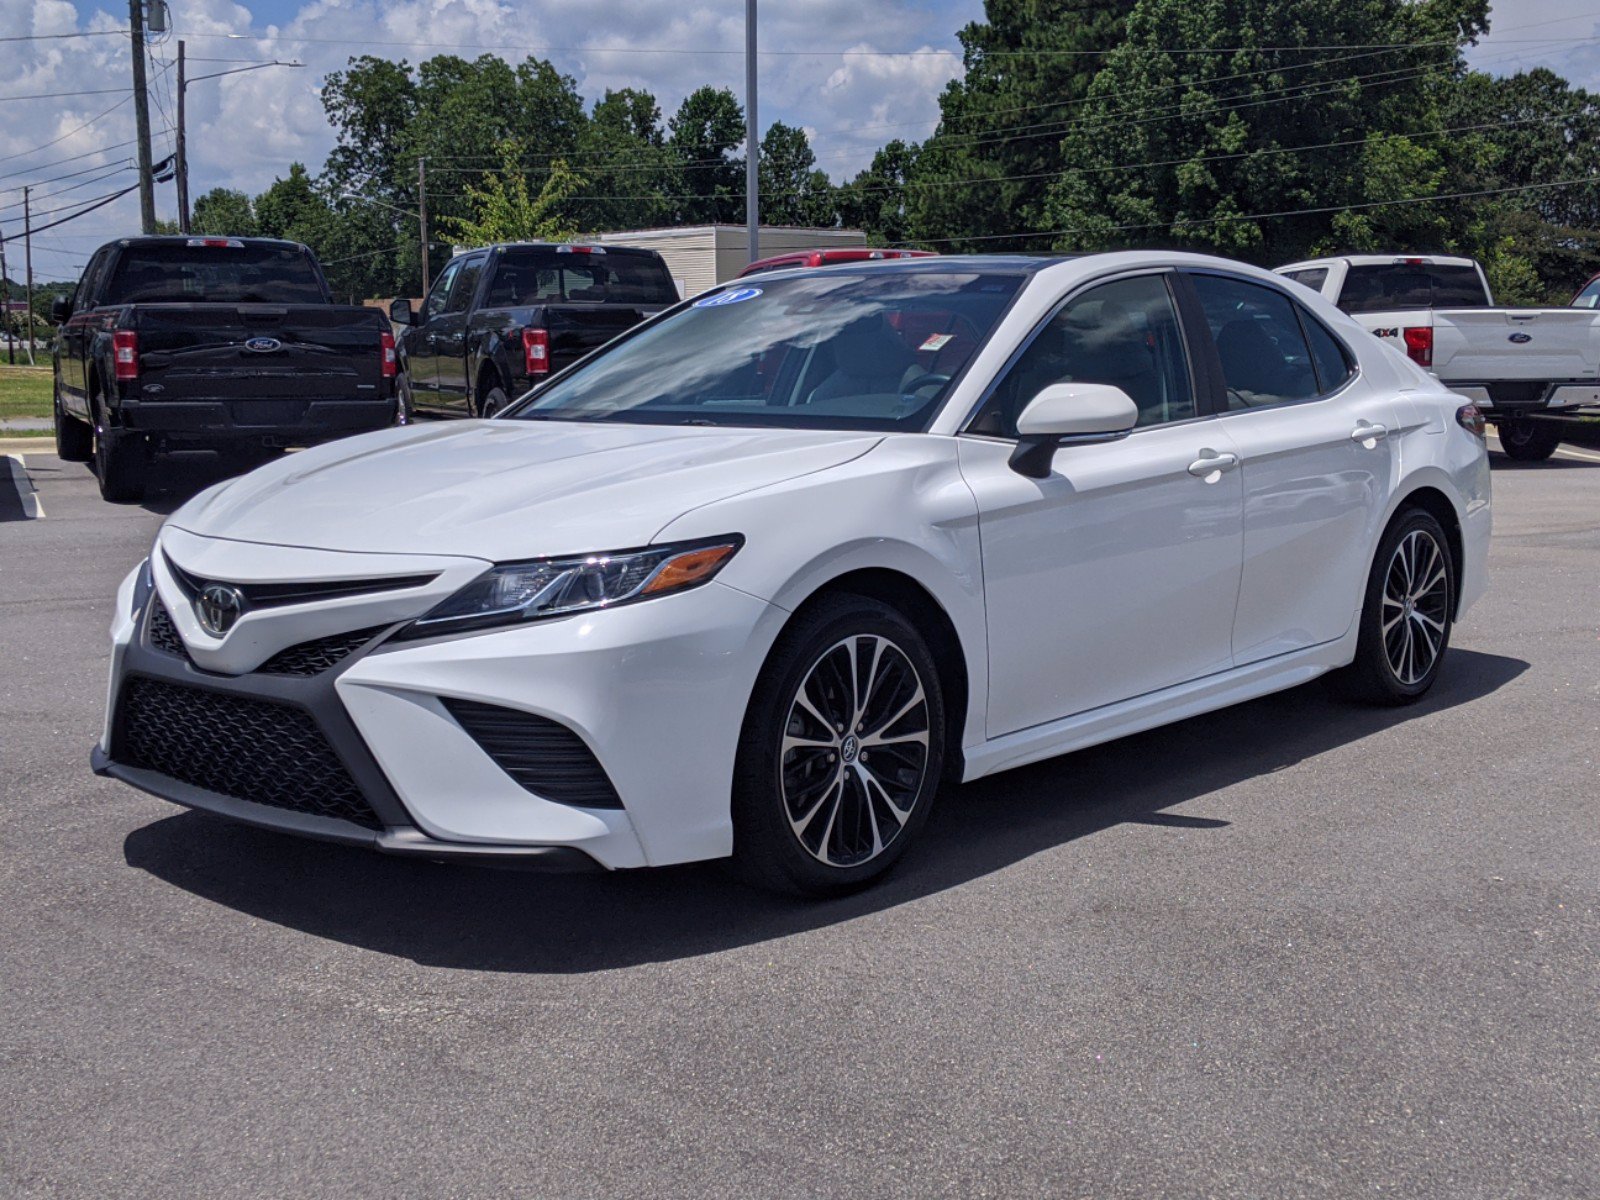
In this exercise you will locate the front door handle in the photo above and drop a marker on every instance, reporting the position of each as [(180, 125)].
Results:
[(1210, 465), (1369, 434)]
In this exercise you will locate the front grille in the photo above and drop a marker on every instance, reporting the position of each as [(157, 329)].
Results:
[(163, 633), (247, 748), (313, 658), (266, 595), (545, 757)]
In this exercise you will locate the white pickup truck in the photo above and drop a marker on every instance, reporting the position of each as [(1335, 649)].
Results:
[(1526, 368)]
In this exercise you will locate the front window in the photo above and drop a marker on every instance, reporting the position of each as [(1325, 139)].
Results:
[(855, 350)]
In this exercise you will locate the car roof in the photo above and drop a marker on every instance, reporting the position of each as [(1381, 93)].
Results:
[(180, 239)]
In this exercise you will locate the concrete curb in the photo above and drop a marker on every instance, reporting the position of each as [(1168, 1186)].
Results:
[(28, 445)]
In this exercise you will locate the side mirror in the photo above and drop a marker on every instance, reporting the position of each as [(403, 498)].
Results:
[(400, 312), (61, 309), (1070, 414)]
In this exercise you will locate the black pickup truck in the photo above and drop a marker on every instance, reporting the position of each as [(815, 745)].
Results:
[(209, 343), (500, 319)]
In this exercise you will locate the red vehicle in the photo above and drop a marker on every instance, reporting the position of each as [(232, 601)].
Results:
[(827, 258)]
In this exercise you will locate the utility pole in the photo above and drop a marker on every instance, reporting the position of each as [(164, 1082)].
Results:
[(141, 117), (422, 216), (752, 147), (183, 153), (27, 254), (5, 283)]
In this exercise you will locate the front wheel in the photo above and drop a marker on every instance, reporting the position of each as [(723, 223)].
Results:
[(494, 400), (841, 752), (1406, 616), (1528, 440), (405, 407)]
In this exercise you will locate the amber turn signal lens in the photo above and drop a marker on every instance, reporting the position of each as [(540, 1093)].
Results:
[(691, 567)]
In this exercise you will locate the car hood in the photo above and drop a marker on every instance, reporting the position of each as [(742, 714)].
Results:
[(504, 490)]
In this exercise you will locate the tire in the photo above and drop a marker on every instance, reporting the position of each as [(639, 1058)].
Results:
[(74, 438), (121, 460), (405, 408), (494, 401), (804, 819), (1405, 617), (1528, 440)]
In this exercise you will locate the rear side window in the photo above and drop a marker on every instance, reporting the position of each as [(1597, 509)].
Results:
[(1387, 287), (545, 276), (1265, 358), (1313, 279), (1328, 354), (243, 274)]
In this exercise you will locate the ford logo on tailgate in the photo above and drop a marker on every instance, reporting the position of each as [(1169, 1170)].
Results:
[(263, 345), (1521, 339)]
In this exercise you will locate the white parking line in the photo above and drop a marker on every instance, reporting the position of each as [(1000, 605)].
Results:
[(17, 473)]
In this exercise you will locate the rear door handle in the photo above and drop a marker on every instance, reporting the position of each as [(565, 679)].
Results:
[(1366, 432), (1210, 465)]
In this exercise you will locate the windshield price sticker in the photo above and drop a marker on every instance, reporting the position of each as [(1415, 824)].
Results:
[(937, 342), (737, 296)]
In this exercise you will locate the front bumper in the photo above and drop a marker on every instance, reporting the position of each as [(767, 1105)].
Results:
[(655, 690)]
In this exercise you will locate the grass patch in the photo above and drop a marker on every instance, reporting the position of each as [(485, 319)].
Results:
[(24, 392)]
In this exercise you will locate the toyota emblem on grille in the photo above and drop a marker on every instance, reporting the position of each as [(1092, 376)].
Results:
[(218, 608), (263, 345)]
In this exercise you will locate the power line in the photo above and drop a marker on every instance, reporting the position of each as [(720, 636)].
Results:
[(69, 133), (57, 178), (117, 170), (58, 162), (45, 37), (101, 203), (58, 95)]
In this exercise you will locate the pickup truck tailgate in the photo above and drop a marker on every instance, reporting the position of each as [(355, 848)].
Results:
[(577, 329), (258, 352), (1526, 344)]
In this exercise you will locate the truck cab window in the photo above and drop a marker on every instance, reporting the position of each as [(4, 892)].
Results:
[(441, 289)]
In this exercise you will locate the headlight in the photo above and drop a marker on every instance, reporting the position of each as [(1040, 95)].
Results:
[(551, 587)]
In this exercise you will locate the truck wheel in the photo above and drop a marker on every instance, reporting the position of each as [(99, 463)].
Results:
[(493, 401), (1529, 440), (74, 438), (120, 461), (405, 409)]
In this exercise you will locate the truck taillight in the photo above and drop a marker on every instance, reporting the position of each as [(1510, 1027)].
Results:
[(536, 351), (386, 342), (125, 353), (1419, 345)]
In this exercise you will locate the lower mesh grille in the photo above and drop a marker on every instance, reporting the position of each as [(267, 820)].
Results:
[(163, 633), (544, 756), (312, 658), (250, 749)]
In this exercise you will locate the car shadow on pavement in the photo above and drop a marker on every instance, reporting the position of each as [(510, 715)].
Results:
[(496, 920)]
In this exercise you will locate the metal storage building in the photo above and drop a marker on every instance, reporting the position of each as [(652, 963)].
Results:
[(702, 256)]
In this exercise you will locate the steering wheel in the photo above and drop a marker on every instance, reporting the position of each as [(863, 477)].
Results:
[(929, 379)]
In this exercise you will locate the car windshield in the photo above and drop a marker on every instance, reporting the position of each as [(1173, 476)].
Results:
[(240, 273), (873, 349)]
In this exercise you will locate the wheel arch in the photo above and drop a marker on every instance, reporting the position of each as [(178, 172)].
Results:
[(489, 375)]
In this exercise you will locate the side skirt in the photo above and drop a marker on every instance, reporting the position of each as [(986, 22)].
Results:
[(1127, 717)]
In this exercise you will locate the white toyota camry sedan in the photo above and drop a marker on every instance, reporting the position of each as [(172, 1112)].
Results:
[(759, 576)]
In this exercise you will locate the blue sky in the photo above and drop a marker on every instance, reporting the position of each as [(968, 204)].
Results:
[(247, 128)]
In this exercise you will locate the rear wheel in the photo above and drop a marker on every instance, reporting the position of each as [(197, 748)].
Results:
[(1406, 617), (494, 400), (1529, 440), (841, 753), (74, 438), (121, 459), (405, 410)]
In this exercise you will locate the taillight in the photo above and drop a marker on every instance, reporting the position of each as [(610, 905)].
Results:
[(386, 342), (125, 353), (1470, 417), (536, 351), (1419, 345)]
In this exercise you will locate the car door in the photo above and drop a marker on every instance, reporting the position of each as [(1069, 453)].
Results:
[(1117, 574), (1317, 444), (450, 336), (422, 354), (77, 336)]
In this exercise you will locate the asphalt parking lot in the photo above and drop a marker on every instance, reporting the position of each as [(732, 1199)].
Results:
[(1289, 949)]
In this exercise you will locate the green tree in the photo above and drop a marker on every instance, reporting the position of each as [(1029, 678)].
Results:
[(876, 199), (793, 190), (1181, 148), (630, 171), (505, 208), (705, 132), (1028, 67), (224, 211)]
